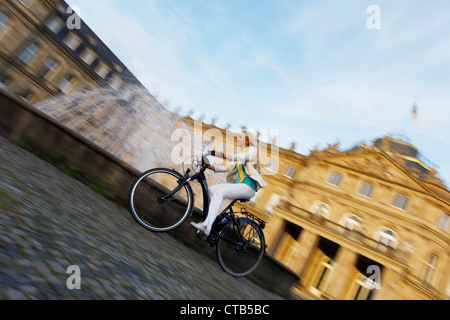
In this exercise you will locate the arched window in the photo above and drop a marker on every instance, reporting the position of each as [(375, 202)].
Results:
[(320, 209), (387, 237), (351, 222), (335, 179), (274, 201)]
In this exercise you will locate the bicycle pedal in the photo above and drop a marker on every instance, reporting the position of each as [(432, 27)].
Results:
[(212, 240), (200, 234)]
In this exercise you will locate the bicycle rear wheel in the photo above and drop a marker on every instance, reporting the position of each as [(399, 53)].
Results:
[(150, 210), (240, 248)]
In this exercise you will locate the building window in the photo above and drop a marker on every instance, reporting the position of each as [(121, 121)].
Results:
[(55, 25), (335, 179), (115, 83), (28, 53), (65, 83), (50, 66), (126, 94), (274, 201), (365, 288), (4, 20), (366, 189), (71, 41), (24, 94), (92, 41), (26, 3), (320, 209), (255, 199), (387, 238), (290, 172), (87, 56), (351, 222), (272, 166), (117, 67), (444, 222), (400, 201), (4, 81), (101, 70), (429, 272), (322, 274)]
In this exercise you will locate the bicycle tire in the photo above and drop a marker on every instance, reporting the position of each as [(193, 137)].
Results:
[(237, 258), (145, 204)]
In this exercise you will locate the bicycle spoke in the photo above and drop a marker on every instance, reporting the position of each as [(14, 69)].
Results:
[(239, 248), (175, 203)]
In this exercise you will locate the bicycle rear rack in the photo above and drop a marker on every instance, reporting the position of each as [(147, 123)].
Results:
[(260, 221)]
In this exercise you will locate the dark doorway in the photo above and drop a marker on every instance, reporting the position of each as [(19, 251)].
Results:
[(328, 247)]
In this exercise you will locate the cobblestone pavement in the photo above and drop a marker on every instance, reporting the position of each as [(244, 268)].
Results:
[(49, 221)]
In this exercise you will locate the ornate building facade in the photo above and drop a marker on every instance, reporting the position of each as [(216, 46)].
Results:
[(367, 223)]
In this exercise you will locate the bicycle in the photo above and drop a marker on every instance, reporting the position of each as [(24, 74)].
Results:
[(162, 199)]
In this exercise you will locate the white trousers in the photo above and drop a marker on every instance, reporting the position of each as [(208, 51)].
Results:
[(226, 191)]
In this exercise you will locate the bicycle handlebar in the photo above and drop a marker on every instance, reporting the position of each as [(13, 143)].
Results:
[(205, 162)]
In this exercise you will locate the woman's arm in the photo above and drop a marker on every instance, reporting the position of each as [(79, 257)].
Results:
[(220, 154), (248, 156), (209, 167), (222, 168)]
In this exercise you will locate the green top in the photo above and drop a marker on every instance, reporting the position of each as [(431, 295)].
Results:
[(244, 177)]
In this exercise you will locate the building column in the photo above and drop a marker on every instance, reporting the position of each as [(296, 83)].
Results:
[(388, 286), (306, 243), (343, 273), (272, 232), (443, 285)]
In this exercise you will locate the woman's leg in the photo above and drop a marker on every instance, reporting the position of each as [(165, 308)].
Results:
[(220, 192)]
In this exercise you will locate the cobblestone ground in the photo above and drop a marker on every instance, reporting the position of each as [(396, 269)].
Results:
[(49, 221)]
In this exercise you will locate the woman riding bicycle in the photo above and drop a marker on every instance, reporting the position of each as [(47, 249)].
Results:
[(243, 179)]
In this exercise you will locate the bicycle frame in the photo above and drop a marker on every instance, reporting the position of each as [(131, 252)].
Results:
[(201, 178)]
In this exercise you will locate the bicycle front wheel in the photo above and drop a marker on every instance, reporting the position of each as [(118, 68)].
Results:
[(151, 210), (240, 248)]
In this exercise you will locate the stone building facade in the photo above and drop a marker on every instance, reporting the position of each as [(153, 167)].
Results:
[(372, 222), (365, 224), (42, 55)]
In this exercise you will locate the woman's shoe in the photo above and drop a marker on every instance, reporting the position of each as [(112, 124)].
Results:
[(198, 225), (201, 228)]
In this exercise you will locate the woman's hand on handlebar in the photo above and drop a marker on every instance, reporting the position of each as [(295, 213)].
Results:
[(207, 166), (219, 154)]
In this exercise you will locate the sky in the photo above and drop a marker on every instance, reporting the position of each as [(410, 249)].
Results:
[(312, 72)]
